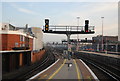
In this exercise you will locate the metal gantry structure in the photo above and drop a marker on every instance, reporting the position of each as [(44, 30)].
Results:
[(68, 31)]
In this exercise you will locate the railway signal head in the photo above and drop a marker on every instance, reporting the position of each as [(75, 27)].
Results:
[(86, 25), (46, 24), (86, 22)]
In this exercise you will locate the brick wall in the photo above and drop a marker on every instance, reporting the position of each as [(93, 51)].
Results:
[(31, 43), (37, 56), (10, 41)]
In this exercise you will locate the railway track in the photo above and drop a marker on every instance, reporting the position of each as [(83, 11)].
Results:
[(34, 70), (44, 64), (108, 73)]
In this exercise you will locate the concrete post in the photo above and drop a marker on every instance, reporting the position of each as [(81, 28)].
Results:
[(68, 41)]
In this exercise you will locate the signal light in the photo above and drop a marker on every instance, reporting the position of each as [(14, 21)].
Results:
[(46, 29), (86, 25), (86, 31), (46, 24), (86, 22)]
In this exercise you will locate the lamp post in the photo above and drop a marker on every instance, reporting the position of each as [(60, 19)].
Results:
[(102, 32), (77, 34), (78, 22), (106, 45)]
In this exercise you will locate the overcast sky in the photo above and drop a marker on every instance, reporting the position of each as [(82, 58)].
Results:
[(63, 13)]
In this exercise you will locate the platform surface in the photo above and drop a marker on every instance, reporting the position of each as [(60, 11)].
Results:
[(67, 70)]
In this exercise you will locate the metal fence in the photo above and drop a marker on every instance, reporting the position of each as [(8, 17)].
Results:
[(68, 28)]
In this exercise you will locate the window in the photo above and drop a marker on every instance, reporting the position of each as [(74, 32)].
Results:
[(22, 38), (23, 45), (20, 45), (16, 44)]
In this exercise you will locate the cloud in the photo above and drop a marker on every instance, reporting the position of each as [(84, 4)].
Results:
[(95, 8), (24, 10)]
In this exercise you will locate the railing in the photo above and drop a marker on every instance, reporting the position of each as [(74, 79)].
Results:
[(68, 28)]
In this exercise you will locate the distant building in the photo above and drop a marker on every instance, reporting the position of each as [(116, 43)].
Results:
[(112, 41), (98, 39), (38, 38)]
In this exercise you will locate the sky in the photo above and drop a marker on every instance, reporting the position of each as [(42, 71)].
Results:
[(63, 13), (59, 0)]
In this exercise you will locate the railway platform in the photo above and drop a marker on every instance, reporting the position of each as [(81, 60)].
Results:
[(66, 70), (103, 54)]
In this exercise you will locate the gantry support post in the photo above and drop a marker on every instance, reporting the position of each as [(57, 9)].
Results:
[(69, 47)]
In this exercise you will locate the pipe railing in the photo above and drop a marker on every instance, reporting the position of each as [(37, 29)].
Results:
[(68, 28)]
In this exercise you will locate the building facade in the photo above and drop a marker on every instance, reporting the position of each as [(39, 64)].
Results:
[(38, 50), (12, 38), (109, 43), (38, 38), (18, 47), (98, 39)]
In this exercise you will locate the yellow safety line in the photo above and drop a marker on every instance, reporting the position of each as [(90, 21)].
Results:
[(56, 71), (43, 76), (78, 73)]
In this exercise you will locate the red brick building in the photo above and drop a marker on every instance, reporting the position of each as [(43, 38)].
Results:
[(17, 47), (12, 38), (10, 41)]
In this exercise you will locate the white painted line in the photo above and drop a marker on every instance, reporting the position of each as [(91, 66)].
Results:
[(95, 77), (42, 71)]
